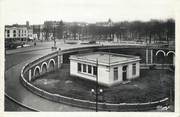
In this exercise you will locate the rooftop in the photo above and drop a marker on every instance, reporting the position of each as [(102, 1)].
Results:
[(105, 57)]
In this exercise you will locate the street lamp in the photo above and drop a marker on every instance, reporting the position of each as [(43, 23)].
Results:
[(100, 91), (97, 93), (54, 38)]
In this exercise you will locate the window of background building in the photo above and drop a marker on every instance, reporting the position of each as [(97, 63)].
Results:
[(14, 31), (134, 69), (84, 67), (8, 31), (89, 69), (14, 34), (94, 70), (79, 67), (116, 73)]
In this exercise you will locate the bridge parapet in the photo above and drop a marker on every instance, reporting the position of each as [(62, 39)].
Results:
[(43, 65)]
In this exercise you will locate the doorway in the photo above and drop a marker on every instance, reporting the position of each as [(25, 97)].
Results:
[(124, 74)]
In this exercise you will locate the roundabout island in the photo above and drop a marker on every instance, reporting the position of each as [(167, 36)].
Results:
[(151, 86), (50, 77)]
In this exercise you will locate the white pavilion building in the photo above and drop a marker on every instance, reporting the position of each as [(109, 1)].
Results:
[(106, 68)]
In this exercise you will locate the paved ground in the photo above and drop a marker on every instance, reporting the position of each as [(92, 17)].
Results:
[(10, 105)]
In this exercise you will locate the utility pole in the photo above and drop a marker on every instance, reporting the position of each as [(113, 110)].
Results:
[(97, 86), (54, 37)]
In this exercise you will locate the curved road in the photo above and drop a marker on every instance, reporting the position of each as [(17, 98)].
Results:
[(13, 64)]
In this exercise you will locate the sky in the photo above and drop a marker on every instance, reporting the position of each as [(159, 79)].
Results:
[(38, 11)]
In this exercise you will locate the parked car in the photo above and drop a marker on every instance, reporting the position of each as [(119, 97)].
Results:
[(92, 42), (13, 44)]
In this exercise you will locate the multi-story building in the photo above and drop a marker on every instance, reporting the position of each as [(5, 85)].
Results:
[(18, 32), (109, 23)]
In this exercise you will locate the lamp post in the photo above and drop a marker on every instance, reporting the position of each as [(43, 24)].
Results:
[(97, 86), (97, 93), (54, 38)]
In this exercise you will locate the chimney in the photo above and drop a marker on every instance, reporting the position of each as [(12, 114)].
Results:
[(27, 23)]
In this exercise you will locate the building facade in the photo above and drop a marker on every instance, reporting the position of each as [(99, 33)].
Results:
[(18, 32), (107, 68), (109, 23)]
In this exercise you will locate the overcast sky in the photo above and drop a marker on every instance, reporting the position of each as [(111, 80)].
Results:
[(37, 11)]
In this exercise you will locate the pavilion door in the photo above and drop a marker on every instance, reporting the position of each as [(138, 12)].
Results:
[(124, 75)]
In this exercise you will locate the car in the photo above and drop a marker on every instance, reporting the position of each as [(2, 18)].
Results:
[(13, 44), (92, 42)]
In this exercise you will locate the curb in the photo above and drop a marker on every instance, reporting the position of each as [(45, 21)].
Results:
[(21, 104), (27, 51)]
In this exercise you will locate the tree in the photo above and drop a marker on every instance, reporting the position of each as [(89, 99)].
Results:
[(37, 30), (75, 29), (59, 30), (47, 29), (170, 30)]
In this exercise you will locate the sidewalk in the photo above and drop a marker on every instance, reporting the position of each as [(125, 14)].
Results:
[(26, 49), (62, 45), (44, 45)]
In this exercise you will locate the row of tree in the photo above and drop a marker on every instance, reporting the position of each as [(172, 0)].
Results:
[(155, 30), (150, 31)]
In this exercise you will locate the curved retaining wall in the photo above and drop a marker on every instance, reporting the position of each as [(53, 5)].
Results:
[(85, 103)]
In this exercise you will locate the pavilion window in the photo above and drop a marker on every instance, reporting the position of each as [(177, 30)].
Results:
[(116, 73), (79, 67), (89, 69), (134, 69), (84, 67), (94, 70)]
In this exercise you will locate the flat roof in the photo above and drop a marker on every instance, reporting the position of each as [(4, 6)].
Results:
[(105, 57)]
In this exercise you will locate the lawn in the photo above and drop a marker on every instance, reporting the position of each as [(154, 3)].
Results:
[(152, 85)]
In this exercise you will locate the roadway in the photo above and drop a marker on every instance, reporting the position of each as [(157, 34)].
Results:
[(14, 61)]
